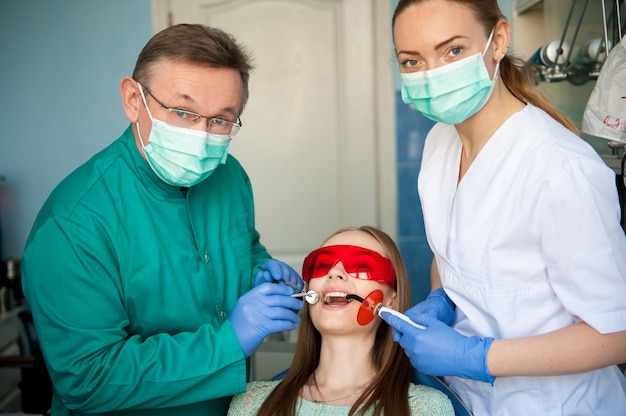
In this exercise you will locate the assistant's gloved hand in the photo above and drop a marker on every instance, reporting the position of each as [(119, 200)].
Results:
[(264, 310), (437, 304), (274, 271), (440, 350)]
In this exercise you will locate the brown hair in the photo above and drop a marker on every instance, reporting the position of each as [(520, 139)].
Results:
[(196, 44), (388, 392), (514, 72)]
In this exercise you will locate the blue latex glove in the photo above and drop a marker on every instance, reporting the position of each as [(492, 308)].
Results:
[(441, 351), (276, 271), (436, 304), (264, 310)]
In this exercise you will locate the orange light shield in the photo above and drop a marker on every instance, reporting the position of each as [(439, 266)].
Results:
[(367, 311)]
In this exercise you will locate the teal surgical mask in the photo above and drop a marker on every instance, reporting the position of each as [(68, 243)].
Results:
[(451, 93), (180, 156)]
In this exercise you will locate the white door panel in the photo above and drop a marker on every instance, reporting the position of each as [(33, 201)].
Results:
[(309, 137)]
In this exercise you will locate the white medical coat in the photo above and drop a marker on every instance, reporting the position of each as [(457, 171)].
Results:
[(527, 243)]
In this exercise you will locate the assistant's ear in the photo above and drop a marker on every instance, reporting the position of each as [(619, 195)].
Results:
[(131, 98), (501, 40)]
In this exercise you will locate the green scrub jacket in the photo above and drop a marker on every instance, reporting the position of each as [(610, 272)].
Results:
[(131, 282)]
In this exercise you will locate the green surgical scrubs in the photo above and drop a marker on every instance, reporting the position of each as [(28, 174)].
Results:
[(131, 282)]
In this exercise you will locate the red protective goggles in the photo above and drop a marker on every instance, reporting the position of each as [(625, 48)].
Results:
[(358, 262)]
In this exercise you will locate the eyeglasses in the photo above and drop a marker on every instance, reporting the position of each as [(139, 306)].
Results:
[(358, 262), (189, 119)]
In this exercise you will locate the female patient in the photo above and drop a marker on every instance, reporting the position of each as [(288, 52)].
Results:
[(341, 367)]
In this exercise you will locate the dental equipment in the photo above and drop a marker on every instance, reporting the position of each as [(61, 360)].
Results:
[(372, 305), (311, 296)]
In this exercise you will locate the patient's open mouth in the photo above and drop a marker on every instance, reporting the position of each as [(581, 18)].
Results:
[(336, 298)]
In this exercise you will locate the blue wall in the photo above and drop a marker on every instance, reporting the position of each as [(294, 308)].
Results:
[(61, 65), (412, 129)]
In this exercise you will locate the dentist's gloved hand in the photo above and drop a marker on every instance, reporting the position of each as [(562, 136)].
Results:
[(275, 271), (264, 310), (441, 351), (437, 304)]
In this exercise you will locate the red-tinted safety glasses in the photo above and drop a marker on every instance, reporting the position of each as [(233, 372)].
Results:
[(358, 262)]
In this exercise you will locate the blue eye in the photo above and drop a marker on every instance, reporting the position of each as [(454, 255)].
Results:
[(456, 51)]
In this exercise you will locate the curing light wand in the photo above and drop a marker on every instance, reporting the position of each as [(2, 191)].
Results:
[(372, 305)]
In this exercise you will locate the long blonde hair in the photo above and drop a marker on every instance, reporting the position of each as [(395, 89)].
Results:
[(514, 72), (388, 392)]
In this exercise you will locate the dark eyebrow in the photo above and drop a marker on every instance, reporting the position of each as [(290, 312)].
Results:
[(445, 42), (438, 46), (184, 97)]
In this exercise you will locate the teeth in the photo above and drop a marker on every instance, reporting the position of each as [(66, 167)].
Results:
[(335, 298)]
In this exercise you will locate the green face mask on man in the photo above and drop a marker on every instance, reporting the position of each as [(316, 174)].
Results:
[(182, 156)]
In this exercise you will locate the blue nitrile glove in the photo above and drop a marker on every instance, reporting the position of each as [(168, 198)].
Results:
[(276, 271), (437, 304), (264, 310), (441, 351)]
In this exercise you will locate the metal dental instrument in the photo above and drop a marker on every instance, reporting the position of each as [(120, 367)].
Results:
[(292, 285), (311, 296)]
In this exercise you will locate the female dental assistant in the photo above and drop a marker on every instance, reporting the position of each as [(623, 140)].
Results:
[(528, 315)]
